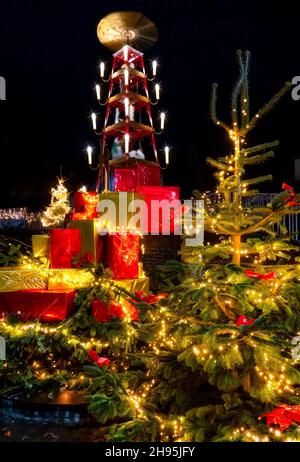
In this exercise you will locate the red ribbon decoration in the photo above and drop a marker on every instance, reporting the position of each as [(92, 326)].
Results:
[(290, 201), (253, 274), (244, 321), (283, 416), (100, 361), (150, 299)]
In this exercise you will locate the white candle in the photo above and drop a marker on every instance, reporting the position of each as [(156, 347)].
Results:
[(89, 153), (126, 106), (126, 137), (131, 112), (154, 68), (94, 120), (126, 77), (157, 91), (162, 120), (167, 152), (102, 67), (117, 115), (98, 93), (125, 53)]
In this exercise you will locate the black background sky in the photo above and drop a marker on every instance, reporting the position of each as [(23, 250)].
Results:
[(49, 56)]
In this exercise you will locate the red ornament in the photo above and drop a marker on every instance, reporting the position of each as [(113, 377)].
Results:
[(253, 274), (100, 361), (244, 321), (283, 416)]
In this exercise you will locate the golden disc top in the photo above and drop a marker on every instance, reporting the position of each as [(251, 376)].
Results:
[(121, 27)]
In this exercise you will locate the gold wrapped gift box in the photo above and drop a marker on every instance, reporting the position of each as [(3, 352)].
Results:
[(69, 278), (134, 285), (40, 245), (12, 280)]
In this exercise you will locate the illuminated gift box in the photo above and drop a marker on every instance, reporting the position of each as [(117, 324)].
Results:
[(104, 311), (40, 245), (129, 177), (123, 255), (92, 246), (12, 280), (165, 214), (134, 285), (65, 247), (42, 305), (85, 201), (119, 203), (69, 278)]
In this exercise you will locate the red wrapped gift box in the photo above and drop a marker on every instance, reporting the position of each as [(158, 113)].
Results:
[(43, 305), (159, 193), (85, 205), (83, 199), (103, 312), (123, 255), (132, 176), (65, 246)]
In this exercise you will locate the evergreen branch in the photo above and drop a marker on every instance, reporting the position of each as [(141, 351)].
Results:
[(260, 147), (237, 90), (259, 179), (216, 163), (245, 104), (268, 106), (213, 108), (259, 159)]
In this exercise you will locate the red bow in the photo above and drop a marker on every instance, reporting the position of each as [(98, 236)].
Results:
[(101, 361), (252, 274), (290, 201), (283, 416), (244, 321), (150, 299)]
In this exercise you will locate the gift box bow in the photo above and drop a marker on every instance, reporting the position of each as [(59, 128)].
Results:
[(244, 321), (290, 200), (253, 274), (284, 416)]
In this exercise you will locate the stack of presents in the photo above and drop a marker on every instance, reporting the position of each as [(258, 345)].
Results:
[(47, 294)]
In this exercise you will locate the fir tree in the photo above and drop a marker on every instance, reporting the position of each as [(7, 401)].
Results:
[(55, 213), (232, 218)]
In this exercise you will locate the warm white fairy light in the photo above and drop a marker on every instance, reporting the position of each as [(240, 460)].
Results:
[(154, 68), (94, 120), (126, 137), (157, 91), (89, 151), (162, 120), (102, 69), (98, 92)]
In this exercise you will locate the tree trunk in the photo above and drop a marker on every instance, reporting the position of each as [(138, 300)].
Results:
[(236, 256)]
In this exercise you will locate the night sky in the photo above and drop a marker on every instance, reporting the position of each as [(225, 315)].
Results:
[(50, 54)]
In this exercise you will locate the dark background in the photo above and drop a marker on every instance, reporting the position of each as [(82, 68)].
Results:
[(49, 56)]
